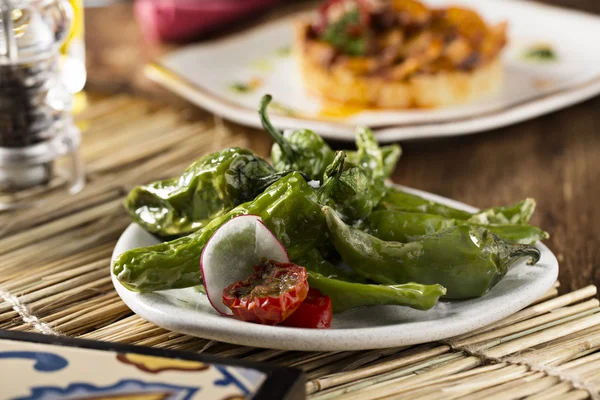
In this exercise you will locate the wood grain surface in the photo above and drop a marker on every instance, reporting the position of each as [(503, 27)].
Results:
[(554, 158)]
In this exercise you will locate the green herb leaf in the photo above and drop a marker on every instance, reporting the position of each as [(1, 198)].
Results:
[(283, 51), (340, 37), (543, 53), (239, 87)]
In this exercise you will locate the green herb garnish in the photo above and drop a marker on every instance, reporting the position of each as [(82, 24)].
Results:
[(262, 65), (541, 53), (345, 36), (283, 51), (240, 87)]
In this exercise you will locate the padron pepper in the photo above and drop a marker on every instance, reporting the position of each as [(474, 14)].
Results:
[(519, 213), (349, 189), (365, 142), (349, 295), (468, 261), (360, 186), (289, 207), (401, 226), (298, 150), (209, 187), (369, 155), (347, 290), (391, 154), (314, 261)]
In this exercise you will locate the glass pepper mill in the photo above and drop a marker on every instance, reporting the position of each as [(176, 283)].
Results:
[(39, 141)]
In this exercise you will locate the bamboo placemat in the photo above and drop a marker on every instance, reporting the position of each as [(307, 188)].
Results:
[(54, 279)]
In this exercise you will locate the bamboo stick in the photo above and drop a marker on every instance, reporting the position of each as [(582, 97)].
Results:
[(395, 376), (550, 294), (573, 395), (336, 380), (388, 388), (125, 157), (542, 337), (515, 389), (579, 361), (58, 206), (458, 385), (48, 230), (265, 355), (37, 273), (530, 323), (57, 288), (552, 391), (370, 358), (334, 358), (538, 309), (153, 341), (564, 352)]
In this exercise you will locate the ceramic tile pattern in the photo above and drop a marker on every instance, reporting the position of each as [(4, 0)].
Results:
[(46, 372)]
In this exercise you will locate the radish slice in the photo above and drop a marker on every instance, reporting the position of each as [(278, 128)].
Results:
[(232, 251)]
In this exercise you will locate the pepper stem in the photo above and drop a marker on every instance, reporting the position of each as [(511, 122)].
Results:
[(266, 181), (524, 250), (275, 134), (332, 175)]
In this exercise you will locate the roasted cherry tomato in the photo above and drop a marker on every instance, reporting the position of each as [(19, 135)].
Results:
[(271, 294), (314, 312)]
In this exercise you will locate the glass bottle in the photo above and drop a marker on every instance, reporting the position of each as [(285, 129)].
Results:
[(38, 140)]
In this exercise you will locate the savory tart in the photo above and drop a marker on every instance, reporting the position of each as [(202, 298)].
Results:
[(399, 54)]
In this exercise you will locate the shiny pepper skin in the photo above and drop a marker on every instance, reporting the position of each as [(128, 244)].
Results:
[(468, 261), (289, 208), (401, 226), (208, 188), (300, 150)]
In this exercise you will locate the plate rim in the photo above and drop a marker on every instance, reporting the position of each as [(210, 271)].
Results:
[(216, 327)]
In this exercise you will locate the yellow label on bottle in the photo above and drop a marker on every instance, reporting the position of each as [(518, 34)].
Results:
[(73, 50), (76, 32)]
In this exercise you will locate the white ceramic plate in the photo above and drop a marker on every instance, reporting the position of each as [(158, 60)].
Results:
[(188, 311), (204, 73)]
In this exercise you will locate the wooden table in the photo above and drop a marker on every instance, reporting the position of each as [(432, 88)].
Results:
[(554, 158)]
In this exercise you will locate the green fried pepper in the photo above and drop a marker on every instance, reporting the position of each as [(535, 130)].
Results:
[(369, 155), (315, 262), (468, 261), (209, 187), (391, 154), (289, 207), (369, 150), (349, 295), (372, 159), (348, 290), (401, 226), (355, 188), (519, 213), (349, 189), (300, 150)]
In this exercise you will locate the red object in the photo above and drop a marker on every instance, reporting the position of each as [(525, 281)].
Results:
[(272, 293), (180, 20), (314, 312)]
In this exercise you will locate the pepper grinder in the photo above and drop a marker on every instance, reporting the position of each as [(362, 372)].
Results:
[(39, 141)]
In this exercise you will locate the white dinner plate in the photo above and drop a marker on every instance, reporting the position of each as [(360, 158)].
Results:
[(204, 74), (188, 311)]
